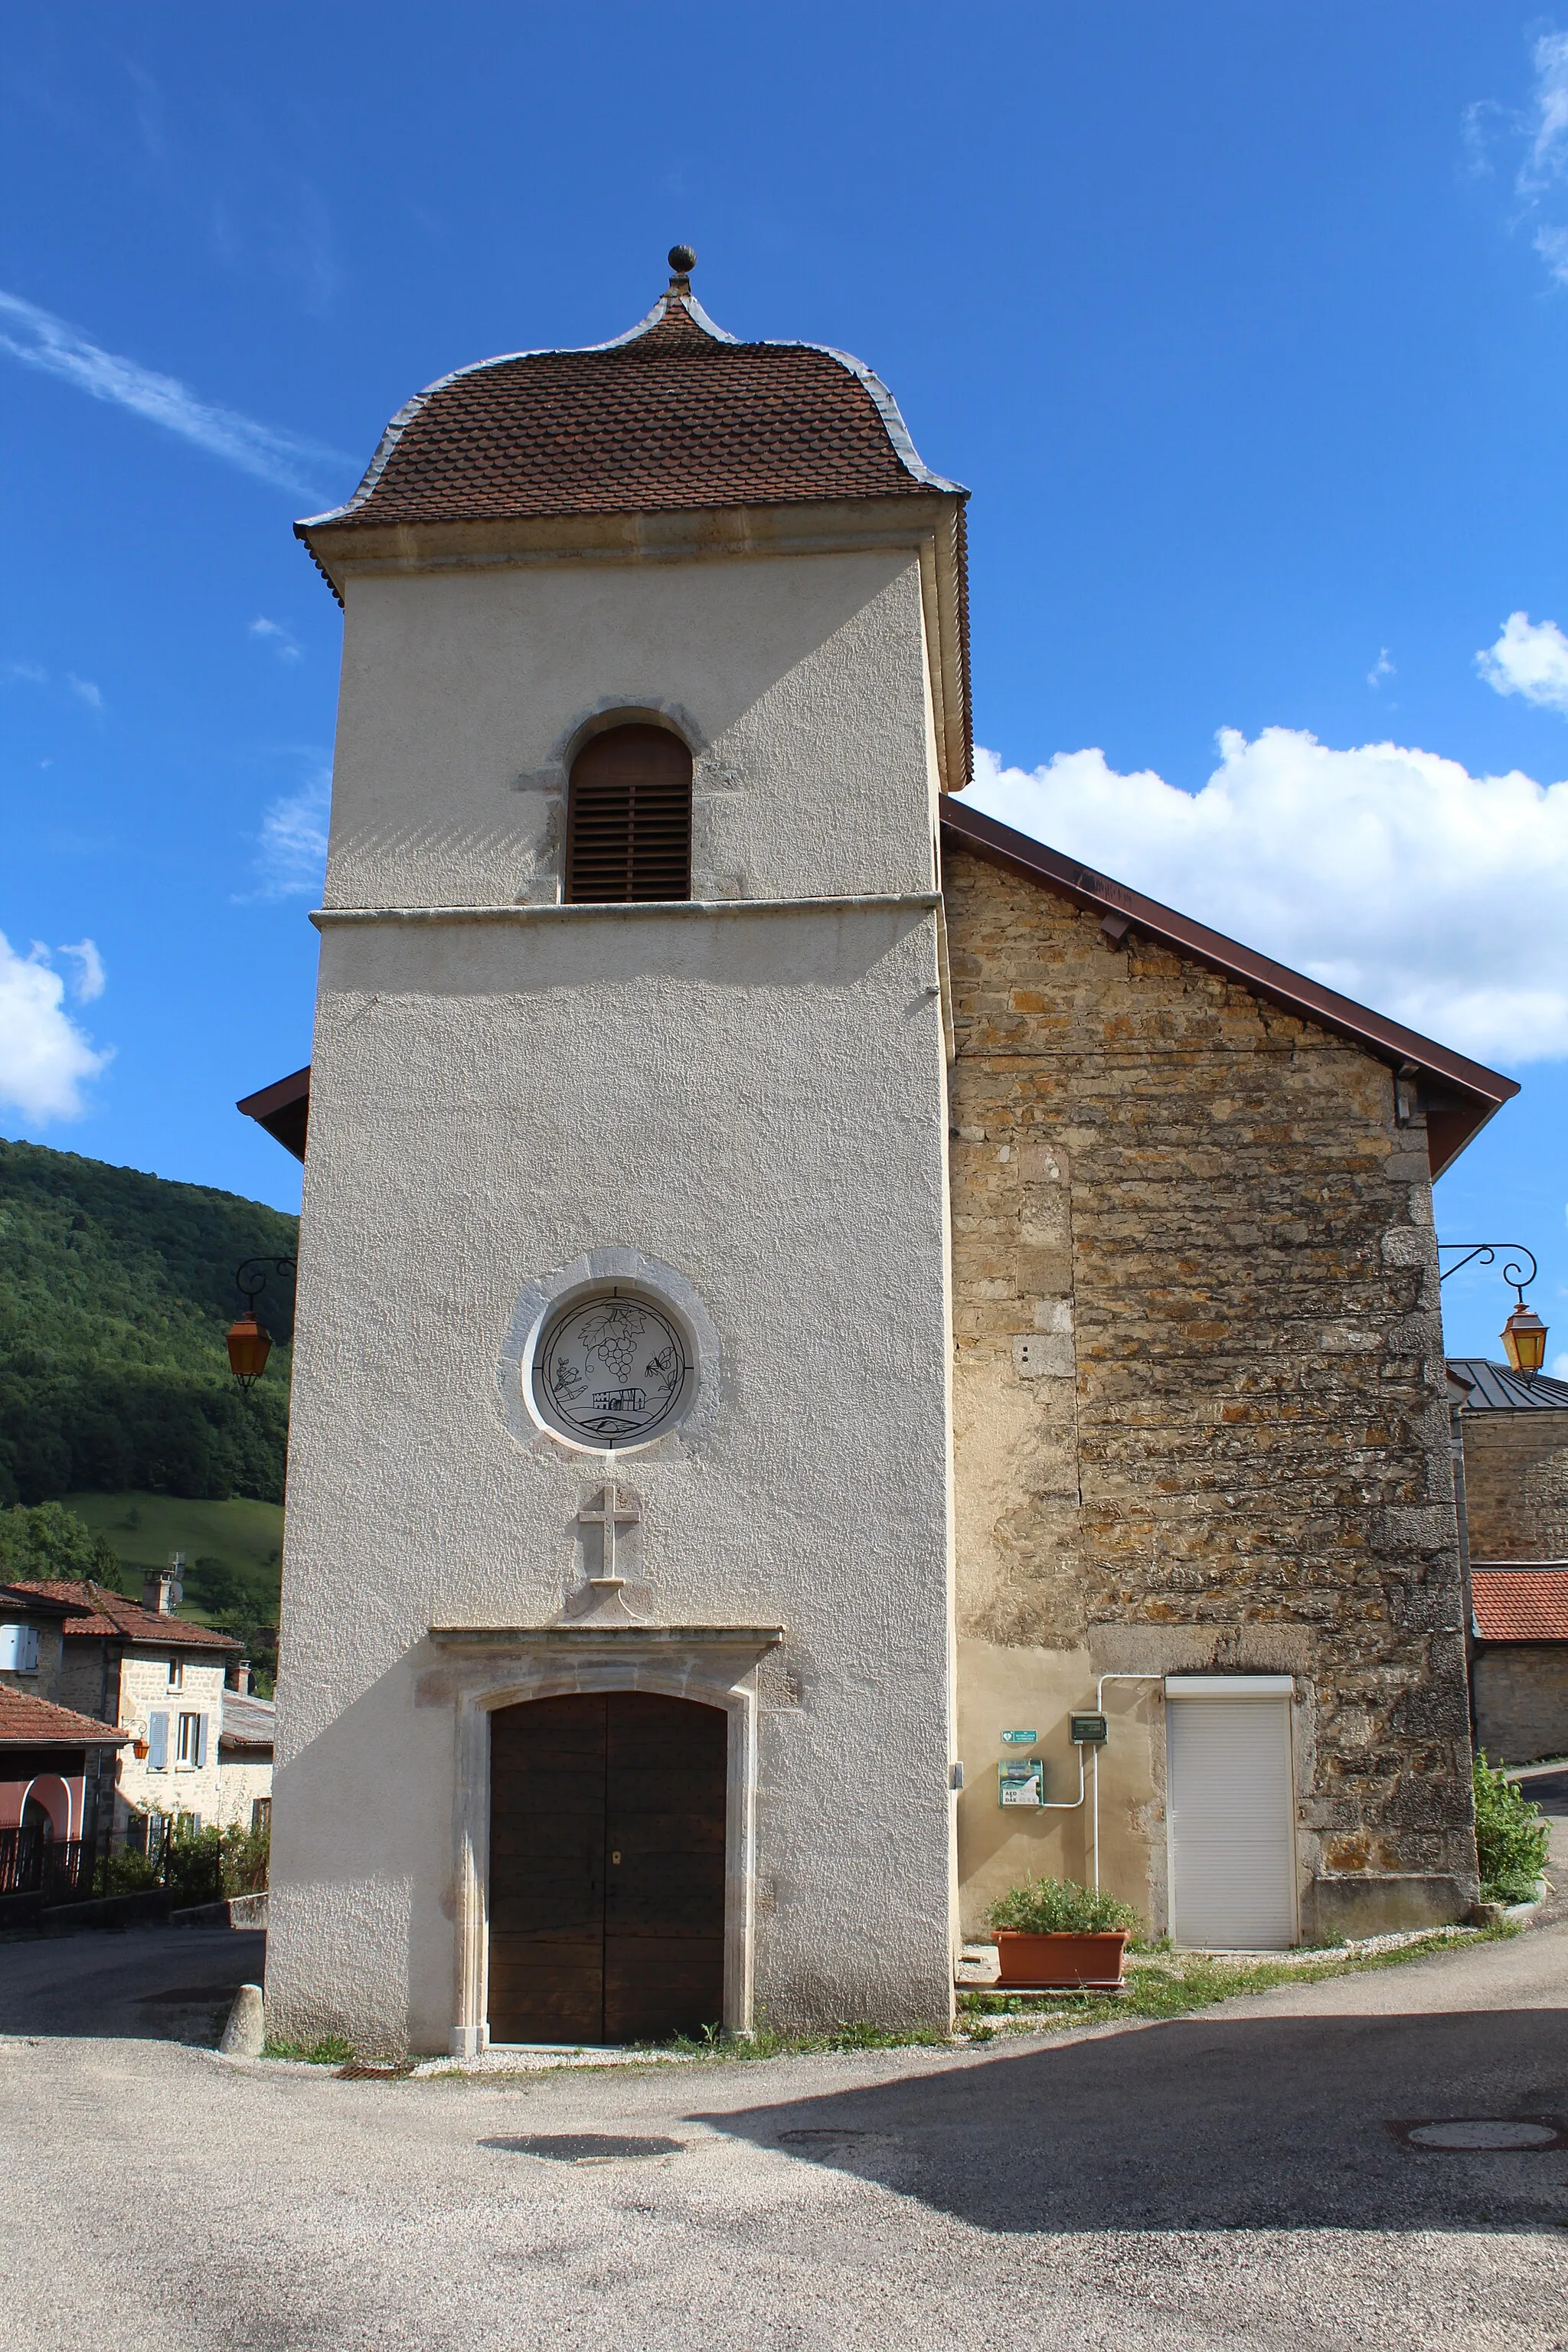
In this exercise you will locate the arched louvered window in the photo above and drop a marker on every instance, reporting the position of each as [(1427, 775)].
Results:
[(628, 817)]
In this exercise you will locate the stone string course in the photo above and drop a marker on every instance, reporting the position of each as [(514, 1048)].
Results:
[(1199, 1352)]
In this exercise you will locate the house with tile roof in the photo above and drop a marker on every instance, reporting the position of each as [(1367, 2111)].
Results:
[(161, 1680), (845, 1357)]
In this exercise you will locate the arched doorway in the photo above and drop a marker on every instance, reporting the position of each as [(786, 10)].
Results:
[(606, 1894)]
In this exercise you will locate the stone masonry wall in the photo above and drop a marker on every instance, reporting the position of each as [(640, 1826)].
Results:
[(1200, 1416), (1516, 1485)]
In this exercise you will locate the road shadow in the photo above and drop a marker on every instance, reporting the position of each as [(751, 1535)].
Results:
[(1218, 2124), (160, 1984)]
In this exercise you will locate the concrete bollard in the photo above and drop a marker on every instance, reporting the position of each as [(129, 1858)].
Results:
[(245, 2035)]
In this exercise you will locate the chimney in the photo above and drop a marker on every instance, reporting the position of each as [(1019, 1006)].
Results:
[(239, 1677), (163, 1590)]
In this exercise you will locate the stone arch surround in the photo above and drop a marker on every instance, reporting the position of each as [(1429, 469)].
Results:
[(715, 1665)]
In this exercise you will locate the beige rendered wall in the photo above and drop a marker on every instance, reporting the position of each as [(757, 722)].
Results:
[(799, 680), (1199, 1418), (754, 1099)]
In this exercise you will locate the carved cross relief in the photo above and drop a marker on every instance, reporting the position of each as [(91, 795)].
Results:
[(610, 1536)]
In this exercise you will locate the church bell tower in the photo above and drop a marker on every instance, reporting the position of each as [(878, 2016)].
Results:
[(617, 1620)]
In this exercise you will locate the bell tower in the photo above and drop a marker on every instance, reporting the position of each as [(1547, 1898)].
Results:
[(617, 1621)]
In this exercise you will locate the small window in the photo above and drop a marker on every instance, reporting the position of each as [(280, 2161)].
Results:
[(191, 1747), (18, 1649), (261, 1813), (176, 1673), (628, 818)]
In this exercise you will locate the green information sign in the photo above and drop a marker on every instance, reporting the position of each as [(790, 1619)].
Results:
[(1021, 1738)]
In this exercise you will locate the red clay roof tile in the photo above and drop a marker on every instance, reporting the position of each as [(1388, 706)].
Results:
[(676, 414), (26, 1721), (96, 1612), (1520, 1604)]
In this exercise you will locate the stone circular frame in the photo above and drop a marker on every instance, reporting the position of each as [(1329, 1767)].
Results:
[(612, 1369), (543, 1305)]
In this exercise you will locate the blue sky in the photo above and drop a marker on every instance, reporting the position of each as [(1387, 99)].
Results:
[(1247, 327)]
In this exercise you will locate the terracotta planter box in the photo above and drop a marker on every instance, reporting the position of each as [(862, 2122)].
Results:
[(1061, 1963)]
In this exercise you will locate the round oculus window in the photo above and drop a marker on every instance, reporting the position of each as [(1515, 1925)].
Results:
[(612, 1370)]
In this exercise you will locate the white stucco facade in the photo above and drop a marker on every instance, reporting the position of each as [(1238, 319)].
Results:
[(509, 1095)]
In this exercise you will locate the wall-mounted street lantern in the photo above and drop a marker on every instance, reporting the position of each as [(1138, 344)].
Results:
[(1523, 1335), (249, 1340)]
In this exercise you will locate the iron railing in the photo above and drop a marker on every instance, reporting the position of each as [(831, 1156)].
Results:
[(32, 1864)]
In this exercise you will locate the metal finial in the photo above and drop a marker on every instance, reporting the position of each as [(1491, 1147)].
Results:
[(682, 260)]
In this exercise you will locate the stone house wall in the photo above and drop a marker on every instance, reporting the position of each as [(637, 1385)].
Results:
[(1516, 1484), (1522, 1700), (1199, 1411)]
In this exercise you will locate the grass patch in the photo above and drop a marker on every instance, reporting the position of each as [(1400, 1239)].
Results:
[(331, 2050), (1181, 1984)]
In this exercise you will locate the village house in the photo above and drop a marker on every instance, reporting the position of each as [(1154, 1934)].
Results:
[(844, 1357), (160, 1679), (55, 1762), (1513, 1431)]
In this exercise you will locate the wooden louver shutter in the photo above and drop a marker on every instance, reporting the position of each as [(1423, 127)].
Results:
[(628, 818)]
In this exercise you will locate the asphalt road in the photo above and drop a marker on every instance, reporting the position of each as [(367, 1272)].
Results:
[(1227, 2181)]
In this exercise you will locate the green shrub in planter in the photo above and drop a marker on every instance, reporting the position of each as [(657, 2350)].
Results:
[(1060, 1907), (1511, 1839)]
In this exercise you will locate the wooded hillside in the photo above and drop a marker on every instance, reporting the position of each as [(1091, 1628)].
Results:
[(116, 1290)]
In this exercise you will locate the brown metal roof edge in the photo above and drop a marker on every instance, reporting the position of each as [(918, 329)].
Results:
[(283, 1108), (279, 1095), (1485, 1091)]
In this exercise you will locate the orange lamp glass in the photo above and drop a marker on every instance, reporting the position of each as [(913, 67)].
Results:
[(249, 1345), (1524, 1337)]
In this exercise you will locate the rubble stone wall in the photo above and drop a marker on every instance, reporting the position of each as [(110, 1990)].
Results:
[(1199, 1416), (1516, 1484)]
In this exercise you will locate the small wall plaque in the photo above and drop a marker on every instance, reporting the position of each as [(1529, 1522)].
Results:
[(1088, 1730), (1020, 1738)]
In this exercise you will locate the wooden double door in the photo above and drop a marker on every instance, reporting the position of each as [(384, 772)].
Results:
[(607, 1868)]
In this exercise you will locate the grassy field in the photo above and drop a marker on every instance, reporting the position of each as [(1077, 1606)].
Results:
[(233, 1551)]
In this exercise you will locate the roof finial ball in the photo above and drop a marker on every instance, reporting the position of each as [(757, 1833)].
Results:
[(682, 262)]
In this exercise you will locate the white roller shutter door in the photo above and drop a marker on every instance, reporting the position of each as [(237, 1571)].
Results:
[(1231, 1811)]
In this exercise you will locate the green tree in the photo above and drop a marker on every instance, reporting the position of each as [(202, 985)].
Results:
[(47, 1542)]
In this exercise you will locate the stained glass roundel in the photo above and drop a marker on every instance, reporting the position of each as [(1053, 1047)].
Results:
[(612, 1370)]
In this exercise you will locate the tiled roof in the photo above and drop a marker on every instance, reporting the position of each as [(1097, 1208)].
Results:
[(30, 1722), (1520, 1604), (96, 1611), (676, 413), (1498, 1388), (246, 1722), (30, 1597)]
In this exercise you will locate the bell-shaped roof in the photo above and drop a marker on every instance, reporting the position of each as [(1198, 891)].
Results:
[(675, 414)]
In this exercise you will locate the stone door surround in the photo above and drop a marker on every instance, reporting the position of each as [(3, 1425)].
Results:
[(505, 1666)]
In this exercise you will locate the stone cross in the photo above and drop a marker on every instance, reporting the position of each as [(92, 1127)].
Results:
[(618, 1508)]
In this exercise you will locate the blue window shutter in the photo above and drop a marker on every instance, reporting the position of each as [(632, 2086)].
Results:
[(158, 1741), (201, 1741)]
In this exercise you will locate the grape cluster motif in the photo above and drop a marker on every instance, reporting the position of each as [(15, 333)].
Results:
[(612, 1335)]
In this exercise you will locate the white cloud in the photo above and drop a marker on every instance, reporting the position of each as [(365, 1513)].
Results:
[(45, 1059), (292, 844), (85, 691), (284, 644), (41, 341), (1438, 896), (24, 673), (1549, 122), (1381, 668), (1531, 657), (89, 979), (1552, 245)]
